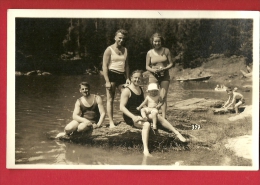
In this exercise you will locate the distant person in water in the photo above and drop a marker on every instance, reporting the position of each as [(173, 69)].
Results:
[(235, 99), (151, 104), (132, 96), (88, 112), (115, 70)]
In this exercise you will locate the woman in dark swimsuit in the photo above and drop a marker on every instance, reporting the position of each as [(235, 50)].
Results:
[(131, 98)]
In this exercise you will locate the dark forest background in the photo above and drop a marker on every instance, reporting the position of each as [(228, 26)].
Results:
[(49, 44)]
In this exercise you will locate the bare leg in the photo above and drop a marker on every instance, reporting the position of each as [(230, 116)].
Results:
[(237, 106), (84, 126), (71, 127), (167, 125), (143, 114), (154, 118), (145, 135), (110, 103), (164, 90)]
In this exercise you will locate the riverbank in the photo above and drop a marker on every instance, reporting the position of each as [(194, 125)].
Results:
[(195, 119), (223, 70), (218, 130)]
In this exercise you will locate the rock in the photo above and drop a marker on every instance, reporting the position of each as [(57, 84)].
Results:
[(247, 112), (196, 104), (31, 73), (247, 75), (241, 146), (220, 111), (18, 73), (247, 86), (46, 73), (229, 110), (123, 135)]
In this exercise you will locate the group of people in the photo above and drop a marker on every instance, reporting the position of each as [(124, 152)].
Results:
[(138, 111)]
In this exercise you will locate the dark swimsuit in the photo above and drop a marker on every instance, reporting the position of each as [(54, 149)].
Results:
[(90, 113), (133, 102)]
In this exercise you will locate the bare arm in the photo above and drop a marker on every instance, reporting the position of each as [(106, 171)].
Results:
[(226, 102), (142, 104), (160, 103), (127, 70), (169, 57), (148, 63), (101, 110), (106, 59), (77, 112), (232, 102)]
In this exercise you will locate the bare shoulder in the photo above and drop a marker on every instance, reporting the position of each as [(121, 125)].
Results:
[(149, 52), (126, 92), (167, 51), (77, 103), (108, 51), (98, 98)]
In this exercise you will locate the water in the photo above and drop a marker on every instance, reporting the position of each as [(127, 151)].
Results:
[(44, 105)]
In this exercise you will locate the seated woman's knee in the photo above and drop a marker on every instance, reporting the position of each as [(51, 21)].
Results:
[(84, 126), (69, 128)]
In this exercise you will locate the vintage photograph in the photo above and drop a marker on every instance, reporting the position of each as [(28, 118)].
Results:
[(155, 90)]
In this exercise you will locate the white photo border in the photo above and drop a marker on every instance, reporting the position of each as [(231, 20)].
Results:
[(138, 14)]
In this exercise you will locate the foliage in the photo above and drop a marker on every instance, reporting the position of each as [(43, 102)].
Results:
[(189, 40), (193, 38)]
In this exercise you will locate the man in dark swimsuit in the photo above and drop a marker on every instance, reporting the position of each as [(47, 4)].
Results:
[(131, 98), (89, 111)]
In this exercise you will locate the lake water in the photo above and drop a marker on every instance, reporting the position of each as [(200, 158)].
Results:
[(44, 105)]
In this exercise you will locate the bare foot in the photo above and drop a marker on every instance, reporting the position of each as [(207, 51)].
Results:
[(147, 154), (181, 138), (112, 125), (60, 135)]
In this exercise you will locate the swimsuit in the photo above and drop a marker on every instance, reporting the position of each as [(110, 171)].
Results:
[(133, 102), (116, 67), (158, 61), (90, 113)]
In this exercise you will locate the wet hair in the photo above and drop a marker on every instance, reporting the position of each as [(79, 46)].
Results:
[(136, 71), (85, 84), (122, 31), (157, 35)]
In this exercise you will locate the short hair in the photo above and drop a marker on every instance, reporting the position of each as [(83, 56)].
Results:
[(85, 84), (136, 71), (157, 35), (122, 31), (229, 89)]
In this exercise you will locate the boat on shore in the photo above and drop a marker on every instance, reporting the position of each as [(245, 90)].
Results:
[(194, 79)]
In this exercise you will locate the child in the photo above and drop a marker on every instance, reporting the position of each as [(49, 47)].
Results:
[(153, 102), (235, 99)]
